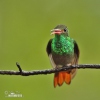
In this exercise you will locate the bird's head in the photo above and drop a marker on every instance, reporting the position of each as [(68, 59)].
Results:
[(60, 29)]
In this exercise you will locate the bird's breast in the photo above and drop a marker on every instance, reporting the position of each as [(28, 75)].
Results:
[(62, 59)]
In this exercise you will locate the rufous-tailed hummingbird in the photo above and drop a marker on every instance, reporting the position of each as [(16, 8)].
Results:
[(62, 51)]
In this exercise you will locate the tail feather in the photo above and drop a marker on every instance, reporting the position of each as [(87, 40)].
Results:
[(55, 79), (67, 78), (61, 77)]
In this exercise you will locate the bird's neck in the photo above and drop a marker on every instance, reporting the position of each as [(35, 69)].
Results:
[(62, 44)]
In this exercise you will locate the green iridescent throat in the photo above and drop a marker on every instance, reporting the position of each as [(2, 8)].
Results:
[(62, 44)]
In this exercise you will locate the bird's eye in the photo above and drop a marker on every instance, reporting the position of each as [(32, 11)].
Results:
[(64, 30)]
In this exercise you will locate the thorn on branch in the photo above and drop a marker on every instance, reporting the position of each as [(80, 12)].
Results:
[(18, 65)]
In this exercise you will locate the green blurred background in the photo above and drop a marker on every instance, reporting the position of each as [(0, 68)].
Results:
[(24, 32)]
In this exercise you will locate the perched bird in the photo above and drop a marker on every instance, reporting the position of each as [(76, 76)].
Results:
[(62, 51)]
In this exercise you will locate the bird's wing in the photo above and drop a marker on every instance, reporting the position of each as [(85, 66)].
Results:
[(48, 49), (76, 57), (76, 52)]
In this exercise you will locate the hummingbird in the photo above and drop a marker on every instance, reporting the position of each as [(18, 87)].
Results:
[(62, 51)]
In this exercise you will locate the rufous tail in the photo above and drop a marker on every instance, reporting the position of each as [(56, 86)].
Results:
[(61, 77)]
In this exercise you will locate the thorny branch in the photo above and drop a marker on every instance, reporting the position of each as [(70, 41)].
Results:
[(47, 71)]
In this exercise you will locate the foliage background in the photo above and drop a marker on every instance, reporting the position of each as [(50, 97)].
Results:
[(24, 32)]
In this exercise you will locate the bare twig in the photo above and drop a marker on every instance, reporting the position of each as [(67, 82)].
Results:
[(47, 71), (17, 64)]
